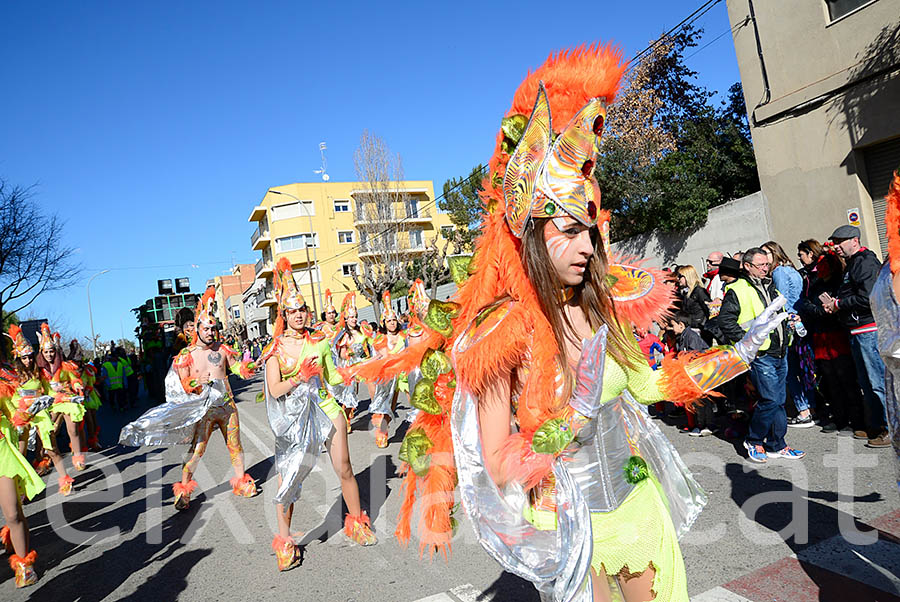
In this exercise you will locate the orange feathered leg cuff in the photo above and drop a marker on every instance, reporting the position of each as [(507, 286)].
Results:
[(28, 560), (184, 488)]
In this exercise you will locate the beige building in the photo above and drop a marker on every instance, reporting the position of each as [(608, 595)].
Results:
[(821, 81), (229, 294), (328, 229)]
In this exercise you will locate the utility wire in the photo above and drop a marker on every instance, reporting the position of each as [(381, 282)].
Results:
[(690, 19)]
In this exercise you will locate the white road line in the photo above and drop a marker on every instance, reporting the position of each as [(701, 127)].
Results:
[(466, 592), (436, 598), (261, 445), (719, 594)]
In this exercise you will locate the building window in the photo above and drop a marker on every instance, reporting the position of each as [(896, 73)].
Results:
[(236, 313), (447, 231), (341, 206), (348, 269), (297, 241), (412, 207), (345, 237), (291, 210), (839, 8), (416, 239)]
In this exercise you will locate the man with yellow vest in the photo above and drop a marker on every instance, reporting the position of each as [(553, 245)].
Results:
[(744, 300), (113, 374)]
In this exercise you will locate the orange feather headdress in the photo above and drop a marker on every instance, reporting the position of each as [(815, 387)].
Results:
[(21, 346)]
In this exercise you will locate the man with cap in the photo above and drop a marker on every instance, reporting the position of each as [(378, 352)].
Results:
[(852, 307)]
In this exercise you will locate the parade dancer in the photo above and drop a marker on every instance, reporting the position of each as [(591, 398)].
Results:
[(418, 308), (390, 342), (329, 324), (304, 416), (65, 382), (886, 310), (91, 397), (354, 345), (17, 477), (31, 388), (534, 377), (198, 401)]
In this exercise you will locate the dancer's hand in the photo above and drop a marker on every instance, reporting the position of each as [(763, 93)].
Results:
[(760, 329)]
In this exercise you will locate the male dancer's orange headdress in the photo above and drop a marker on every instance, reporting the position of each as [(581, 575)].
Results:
[(21, 346)]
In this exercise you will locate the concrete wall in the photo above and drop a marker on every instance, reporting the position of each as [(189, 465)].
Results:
[(809, 134), (734, 226)]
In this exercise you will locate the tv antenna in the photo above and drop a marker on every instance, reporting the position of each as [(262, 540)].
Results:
[(322, 148)]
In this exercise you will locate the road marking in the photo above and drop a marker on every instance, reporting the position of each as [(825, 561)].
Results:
[(719, 594), (466, 593), (436, 598), (261, 445)]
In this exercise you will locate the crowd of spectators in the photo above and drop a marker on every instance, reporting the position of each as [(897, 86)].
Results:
[(823, 357)]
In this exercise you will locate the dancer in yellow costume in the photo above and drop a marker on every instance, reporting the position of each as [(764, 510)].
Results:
[(304, 416), (17, 477), (531, 379)]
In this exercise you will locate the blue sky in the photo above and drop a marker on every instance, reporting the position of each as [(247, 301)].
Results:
[(152, 128)]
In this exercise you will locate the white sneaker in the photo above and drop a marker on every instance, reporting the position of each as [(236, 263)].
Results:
[(705, 432)]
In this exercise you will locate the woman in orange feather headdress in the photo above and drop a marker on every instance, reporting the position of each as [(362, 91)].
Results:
[(531, 378), (304, 416)]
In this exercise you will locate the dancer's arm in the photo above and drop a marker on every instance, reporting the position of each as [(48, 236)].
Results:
[(277, 386), (494, 416)]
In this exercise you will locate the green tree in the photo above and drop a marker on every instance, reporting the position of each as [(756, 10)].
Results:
[(704, 156), (461, 201)]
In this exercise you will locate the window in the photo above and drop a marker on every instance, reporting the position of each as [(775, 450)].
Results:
[(345, 237), (348, 269), (839, 8), (412, 207), (416, 238), (295, 242), (341, 206), (302, 276), (236, 313), (290, 210), (447, 231)]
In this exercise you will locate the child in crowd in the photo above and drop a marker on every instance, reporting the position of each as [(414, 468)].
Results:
[(686, 339), (650, 345)]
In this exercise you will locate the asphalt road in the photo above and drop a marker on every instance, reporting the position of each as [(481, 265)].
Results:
[(118, 536)]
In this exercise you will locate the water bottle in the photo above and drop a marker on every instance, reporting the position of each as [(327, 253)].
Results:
[(797, 325)]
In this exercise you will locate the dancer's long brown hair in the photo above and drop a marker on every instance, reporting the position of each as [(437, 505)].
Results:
[(593, 295)]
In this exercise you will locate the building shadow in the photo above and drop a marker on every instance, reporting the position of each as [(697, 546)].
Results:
[(823, 523)]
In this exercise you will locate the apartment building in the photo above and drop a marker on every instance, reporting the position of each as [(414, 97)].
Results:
[(821, 81), (328, 229)]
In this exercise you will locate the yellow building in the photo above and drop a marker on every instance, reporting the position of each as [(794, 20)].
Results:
[(327, 229)]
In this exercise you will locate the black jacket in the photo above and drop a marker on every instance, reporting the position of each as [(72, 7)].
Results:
[(853, 294), (689, 340), (810, 308), (696, 306), (727, 321)]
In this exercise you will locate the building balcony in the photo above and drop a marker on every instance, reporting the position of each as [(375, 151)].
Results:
[(364, 217), (258, 213), (368, 252), (263, 268), (260, 239)]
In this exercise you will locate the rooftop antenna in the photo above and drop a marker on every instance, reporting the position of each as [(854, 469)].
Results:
[(322, 149)]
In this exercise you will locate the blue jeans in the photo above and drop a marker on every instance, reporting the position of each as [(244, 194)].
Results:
[(804, 398), (870, 372), (768, 424)]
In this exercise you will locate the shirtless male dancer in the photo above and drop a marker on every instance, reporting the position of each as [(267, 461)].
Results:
[(201, 364)]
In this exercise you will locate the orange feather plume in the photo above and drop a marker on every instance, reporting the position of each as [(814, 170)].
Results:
[(892, 220)]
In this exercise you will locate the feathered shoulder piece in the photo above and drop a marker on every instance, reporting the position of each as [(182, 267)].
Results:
[(184, 359), (892, 217), (268, 351)]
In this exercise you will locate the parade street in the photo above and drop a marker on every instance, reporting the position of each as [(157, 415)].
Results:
[(118, 536)]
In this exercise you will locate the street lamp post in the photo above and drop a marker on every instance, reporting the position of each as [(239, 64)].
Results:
[(312, 286), (91, 313)]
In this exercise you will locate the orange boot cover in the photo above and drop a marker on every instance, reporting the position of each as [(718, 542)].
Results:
[(286, 552), (24, 569), (243, 486), (65, 484), (6, 540), (183, 493), (358, 528)]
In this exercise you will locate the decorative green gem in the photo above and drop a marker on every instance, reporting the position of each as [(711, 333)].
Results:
[(459, 267), (414, 451), (434, 363), (636, 470), (423, 397), (260, 397), (552, 437), (611, 280), (549, 208)]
